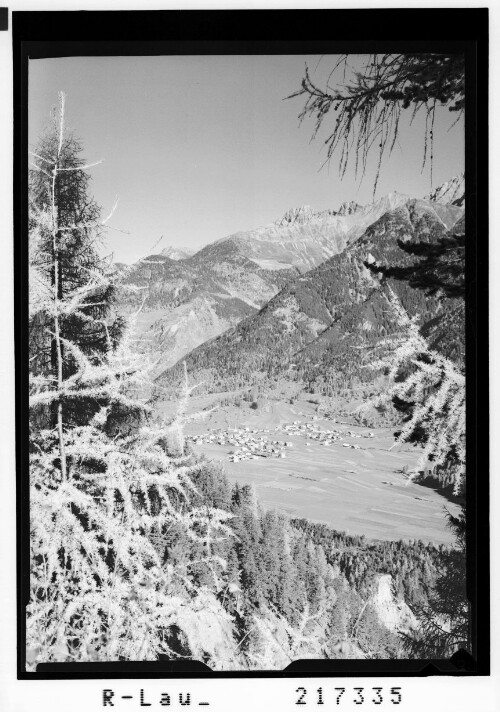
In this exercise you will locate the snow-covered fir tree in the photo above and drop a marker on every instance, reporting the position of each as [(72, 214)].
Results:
[(100, 498), (433, 387)]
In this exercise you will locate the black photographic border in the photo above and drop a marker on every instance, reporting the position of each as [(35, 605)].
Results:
[(225, 32)]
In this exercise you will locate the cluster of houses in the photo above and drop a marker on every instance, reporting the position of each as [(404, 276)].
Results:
[(325, 437), (248, 444)]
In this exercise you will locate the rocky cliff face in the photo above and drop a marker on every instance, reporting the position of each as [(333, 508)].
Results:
[(450, 193), (302, 239), (296, 216), (349, 208), (395, 615)]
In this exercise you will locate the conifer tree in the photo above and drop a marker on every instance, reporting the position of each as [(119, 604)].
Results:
[(100, 586), (430, 390), (434, 388), (444, 619), (65, 230), (278, 642), (440, 271)]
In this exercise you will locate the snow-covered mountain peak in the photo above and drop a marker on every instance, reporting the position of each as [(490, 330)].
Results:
[(296, 215), (393, 200), (349, 208), (452, 192)]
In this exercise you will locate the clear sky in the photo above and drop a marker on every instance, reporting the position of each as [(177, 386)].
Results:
[(199, 147)]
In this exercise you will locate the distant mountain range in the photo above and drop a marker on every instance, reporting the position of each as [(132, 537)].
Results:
[(310, 330), (190, 299), (303, 238)]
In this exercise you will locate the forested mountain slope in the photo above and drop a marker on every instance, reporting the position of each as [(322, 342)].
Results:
[(312, 328), (349, 596), (187, 300), (176, 253)]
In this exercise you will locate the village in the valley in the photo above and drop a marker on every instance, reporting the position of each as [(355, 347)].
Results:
[(250, 444), (309, 459)]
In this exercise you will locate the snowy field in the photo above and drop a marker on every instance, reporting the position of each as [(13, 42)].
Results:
[(354, 483)]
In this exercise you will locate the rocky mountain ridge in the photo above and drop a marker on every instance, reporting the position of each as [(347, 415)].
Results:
[(188, 300), (450, 193), (311, 328), (303, 238)]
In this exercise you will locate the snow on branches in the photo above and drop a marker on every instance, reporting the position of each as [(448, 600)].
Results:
[(100, 588), (101, 495), (278, 642), (434, 388), (99, 583)]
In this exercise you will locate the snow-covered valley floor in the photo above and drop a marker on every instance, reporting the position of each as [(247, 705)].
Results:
[(354, 483)]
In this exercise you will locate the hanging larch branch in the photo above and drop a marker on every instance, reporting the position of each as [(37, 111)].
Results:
[(366, 111)]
